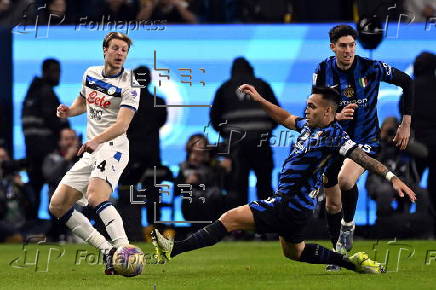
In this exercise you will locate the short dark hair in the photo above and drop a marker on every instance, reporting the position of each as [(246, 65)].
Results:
[(49, 62), (116, 35), (341, 30), (329, 94)]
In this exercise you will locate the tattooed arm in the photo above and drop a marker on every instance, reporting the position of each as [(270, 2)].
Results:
[(373, 165)]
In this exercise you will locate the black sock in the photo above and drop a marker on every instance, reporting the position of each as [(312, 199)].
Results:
[(317, 254), (334, 226), (349, 203), (207, 236)]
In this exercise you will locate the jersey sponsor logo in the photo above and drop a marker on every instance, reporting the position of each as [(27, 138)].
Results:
[(99, 102), (95, 114), (300, 146), (360, 102)]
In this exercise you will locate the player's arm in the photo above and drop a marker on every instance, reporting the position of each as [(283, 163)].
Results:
[(278, 114), (125, 116), (77, 108), (396, 77), (371, 164)]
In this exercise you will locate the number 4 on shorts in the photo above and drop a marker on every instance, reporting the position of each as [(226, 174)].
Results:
[(102, 166)]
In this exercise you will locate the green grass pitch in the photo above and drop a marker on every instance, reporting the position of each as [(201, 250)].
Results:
[(228, 265)]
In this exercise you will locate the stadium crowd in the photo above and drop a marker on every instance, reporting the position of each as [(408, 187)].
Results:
[(19, 202), (70, 12), (226, 179)]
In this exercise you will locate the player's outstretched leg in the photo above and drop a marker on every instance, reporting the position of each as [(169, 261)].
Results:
[(240, 218), (207, 236), (317, 254)]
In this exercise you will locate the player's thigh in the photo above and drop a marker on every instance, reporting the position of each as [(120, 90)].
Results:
[(350, 172), (109, 165), (63, 199), (239, 218), (98, 191), (291, 250)]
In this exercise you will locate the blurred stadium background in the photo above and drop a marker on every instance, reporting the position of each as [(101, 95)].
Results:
[(284, 47)]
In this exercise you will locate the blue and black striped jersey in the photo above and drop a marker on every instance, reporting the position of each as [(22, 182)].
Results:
[(301, 174), (359, 84)]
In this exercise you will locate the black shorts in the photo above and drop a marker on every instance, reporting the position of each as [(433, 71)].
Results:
[(274, 215), (333, 170)]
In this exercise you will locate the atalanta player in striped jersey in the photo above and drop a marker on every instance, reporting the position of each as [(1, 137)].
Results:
[(288, 210), (358, 80)]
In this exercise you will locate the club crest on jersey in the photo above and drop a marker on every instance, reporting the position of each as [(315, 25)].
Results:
[(348, 92), (99, 102), (111, 91)]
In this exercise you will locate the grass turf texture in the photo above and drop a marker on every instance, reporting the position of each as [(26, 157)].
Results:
[(228, 265)]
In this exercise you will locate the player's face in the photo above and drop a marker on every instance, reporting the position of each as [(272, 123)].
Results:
[(316, 111), (345, 49), (116, 53)]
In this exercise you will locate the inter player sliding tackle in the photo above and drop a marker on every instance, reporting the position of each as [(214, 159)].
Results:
[(288, 210)]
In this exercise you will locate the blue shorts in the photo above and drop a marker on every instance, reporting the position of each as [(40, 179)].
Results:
[(274, 215)]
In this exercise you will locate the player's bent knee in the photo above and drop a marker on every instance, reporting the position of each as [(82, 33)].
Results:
[(293, 253), (57, 205), (98, 192), (95, 199), (56, 209), (290, 255), (345, 182), (227, 221), (232, 219), (333, 207)]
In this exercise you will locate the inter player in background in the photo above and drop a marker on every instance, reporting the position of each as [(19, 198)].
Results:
[(289, 209), (358, 80), (110, 103)]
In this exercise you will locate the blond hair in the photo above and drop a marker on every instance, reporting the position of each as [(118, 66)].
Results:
[(116, 35)]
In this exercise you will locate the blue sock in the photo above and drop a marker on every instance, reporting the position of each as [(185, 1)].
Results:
[(207, 236), (317, 254), (349, 203)]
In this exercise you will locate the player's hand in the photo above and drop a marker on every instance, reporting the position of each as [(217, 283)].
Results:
[(62, 111), (402, 189), (88, 146), (402, 136), (347, 113), (248, 90)]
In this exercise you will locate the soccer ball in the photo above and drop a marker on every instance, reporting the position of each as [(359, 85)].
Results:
[(128, 261)]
